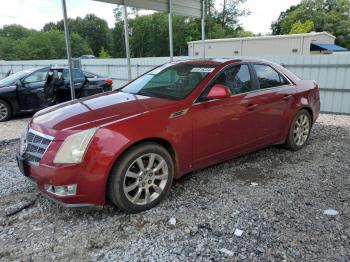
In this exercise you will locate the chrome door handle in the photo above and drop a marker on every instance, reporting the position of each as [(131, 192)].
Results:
[(287, 97), (252, 107)]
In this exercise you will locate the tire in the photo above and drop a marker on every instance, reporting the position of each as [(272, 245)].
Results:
[(299, 131), (133, 175), (5, 111)]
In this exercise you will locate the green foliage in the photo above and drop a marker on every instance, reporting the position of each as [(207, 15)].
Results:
[(149, 34), (41, 45), (92, 28), (229, 14), (332, 16), (103, 53), (243, 33), (15, 31), (300, 28)]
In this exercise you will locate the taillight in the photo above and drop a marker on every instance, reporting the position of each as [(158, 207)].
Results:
[(109, 81)]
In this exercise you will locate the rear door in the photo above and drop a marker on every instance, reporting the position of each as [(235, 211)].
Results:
[(276, 94), (78, 78), (31, 94)]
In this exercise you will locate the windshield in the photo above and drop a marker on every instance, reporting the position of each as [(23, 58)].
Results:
[(172, 81), (14, 77)]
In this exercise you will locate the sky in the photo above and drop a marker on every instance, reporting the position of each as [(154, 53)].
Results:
[(35, 13)]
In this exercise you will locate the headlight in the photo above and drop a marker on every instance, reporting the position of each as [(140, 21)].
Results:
[(74, 146)]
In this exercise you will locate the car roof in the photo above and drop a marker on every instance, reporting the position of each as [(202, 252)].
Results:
[(221, 61), (59, 67), (203, 62)]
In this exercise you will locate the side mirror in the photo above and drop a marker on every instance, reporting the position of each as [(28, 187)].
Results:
[(219, 92)]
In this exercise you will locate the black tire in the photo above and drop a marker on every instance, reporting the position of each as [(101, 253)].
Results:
[(291, 141), (5, 111), (118, 178)]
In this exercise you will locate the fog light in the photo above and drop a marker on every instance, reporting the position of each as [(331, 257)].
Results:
[(66, 190)]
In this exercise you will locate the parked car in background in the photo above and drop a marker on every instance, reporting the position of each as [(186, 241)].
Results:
[(87, 57), (128, 145), (33, 89)]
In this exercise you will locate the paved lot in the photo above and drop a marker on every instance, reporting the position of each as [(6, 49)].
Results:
[(276, 197)]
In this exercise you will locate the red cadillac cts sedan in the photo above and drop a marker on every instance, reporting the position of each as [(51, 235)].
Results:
[(128, 145)]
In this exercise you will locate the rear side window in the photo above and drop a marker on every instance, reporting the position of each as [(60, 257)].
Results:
[(269, 77), (236, 78), (76, 74)]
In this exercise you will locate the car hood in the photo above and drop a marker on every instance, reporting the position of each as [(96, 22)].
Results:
[(94, 111), (8, 85)]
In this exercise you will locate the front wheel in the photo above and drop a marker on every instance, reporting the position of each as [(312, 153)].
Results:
[(299, 131), (141, 178)]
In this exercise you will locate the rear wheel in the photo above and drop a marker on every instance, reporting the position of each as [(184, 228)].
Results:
[(5, 111), (141, 178), (299, 131)]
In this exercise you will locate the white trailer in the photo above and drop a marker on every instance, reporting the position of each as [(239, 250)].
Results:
[(296, 44)]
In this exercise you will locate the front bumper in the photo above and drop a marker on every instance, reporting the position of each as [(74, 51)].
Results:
[(42, 175)]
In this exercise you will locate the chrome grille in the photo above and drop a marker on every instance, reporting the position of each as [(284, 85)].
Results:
[(36, 145)]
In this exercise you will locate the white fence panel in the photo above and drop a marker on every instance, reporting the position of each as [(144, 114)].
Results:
[(332, 72)]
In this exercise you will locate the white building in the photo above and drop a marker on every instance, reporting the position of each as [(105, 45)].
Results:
[(297, 44)]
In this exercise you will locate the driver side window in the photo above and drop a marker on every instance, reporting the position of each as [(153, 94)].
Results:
[(37, 76), (236, 78)]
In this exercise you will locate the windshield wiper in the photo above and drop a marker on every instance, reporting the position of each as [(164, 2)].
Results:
[(146, 93)]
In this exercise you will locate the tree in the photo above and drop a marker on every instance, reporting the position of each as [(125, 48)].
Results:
[(41, 45), (15, 31), (278, 27), (332, 16), (118, 46), (93, 29), (103, 53), (228, 17), (300, 28), (150, 35)]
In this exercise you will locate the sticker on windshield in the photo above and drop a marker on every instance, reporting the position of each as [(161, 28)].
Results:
[(202, 69)]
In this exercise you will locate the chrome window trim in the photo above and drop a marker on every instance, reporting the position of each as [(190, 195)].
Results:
[(253, 91)]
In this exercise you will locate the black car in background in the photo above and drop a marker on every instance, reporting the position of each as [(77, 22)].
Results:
[(34, 89)]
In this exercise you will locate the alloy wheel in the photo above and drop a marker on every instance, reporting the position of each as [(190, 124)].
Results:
[(301, 130), (145, 179), (3, 111)]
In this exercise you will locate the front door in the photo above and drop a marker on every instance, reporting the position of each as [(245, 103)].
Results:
[(226, 127), (31, 94)]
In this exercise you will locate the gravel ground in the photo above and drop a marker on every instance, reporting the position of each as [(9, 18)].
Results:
[(276, 197), (13, 129)]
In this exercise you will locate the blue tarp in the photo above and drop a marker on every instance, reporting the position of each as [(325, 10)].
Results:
[(328, 47)]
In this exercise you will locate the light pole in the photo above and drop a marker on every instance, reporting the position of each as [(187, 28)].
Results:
[(68, 48)]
